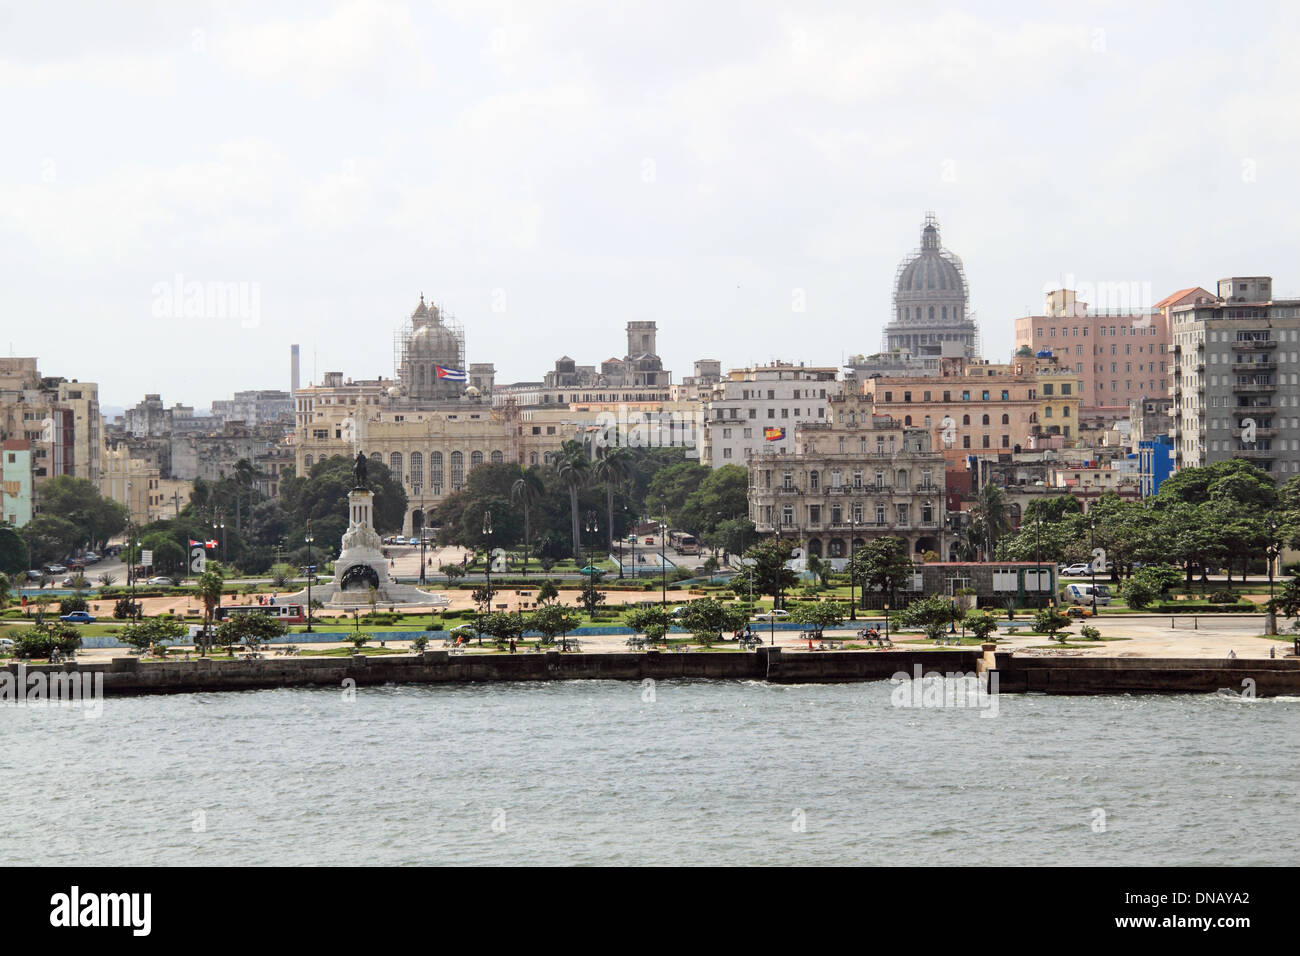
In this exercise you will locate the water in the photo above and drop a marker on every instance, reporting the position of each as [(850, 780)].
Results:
[(589, 772)]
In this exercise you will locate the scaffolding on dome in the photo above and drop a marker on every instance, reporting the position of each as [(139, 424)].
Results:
[(955, 261), (402, 341)]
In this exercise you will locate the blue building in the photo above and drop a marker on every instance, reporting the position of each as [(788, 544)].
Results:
[(1156, 462)]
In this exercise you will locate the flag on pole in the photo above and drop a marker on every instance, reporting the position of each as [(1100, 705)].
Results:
[(452, 374), (774, 434)]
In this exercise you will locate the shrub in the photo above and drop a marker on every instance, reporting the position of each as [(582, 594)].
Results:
[(1090, 633), (1223, 596)]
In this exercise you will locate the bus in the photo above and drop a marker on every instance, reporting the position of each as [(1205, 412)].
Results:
[(288, 613), (683, 543)]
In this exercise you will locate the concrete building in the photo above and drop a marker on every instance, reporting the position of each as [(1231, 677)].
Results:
[(16, 492), (1236, 383), (255, 407), (1120, 356), (60, 420), (854, 476), (754, 410)]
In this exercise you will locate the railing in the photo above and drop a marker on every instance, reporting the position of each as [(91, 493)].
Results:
[(1254, 345), (1255, 387)]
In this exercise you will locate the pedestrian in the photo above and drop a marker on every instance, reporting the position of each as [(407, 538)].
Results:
[(1231, 654)]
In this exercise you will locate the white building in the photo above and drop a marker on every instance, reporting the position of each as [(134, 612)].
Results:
[(754, 410)]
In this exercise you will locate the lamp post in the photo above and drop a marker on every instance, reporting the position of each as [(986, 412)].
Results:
[(886, 622), (1272, 552), (1092, 561), (311, 570), (663, 564), (620, 563), (487, 564), (853, 543), (1038, 556), (219, 530), (592, 526)]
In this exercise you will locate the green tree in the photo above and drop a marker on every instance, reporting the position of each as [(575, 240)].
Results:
[(14, 557), (78, 501), (654, 622), (573, 468), (529, 490), (818, 615), (250, 629), (933, 614), (502, 626), (452, 571), (707, 618), (547, 592), (991, 510), (551, 619), (1049, 620), (721, 492), (50, 537), (882, 564), (612, 470), (981, 624), (770, 575), (209, 588), (145, 633)]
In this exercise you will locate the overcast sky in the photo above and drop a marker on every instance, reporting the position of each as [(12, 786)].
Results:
[(549, 171)]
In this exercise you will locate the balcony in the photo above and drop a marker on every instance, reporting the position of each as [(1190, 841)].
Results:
[(1254, 345), (1255, 388), (1245, 368), (930, 489), (1255, 454)]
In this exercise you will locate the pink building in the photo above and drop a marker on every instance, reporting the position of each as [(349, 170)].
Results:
[(1119, 357)]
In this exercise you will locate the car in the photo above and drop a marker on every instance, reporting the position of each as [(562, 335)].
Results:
[(1077, 570), (679, 610), (6, 643), (1078, 610), (90, 557), (35, 575), (160, 581), (77, 617), (55, 569)]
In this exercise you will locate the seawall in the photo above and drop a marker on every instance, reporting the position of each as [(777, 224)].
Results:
[(1057, 675)]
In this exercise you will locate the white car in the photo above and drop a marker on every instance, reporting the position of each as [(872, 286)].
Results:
[(6, 643), (1077, 570), (160, 581)]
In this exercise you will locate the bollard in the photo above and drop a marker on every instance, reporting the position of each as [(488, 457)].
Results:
[(1196, 624), (1171, 621)]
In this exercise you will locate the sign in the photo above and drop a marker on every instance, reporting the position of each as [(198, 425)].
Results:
[(146, 558)]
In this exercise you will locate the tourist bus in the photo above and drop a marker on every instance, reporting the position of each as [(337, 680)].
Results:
[(288, 613), (683, 543)]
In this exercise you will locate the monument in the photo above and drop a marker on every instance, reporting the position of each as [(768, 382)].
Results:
[(361, 566)]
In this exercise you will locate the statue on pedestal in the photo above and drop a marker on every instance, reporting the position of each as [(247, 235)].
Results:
[(359, 469)]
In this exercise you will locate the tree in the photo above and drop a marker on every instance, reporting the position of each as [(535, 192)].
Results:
[(452, 571), (613, 470), (707, 618), (819, 615), (528, 489), (672, 485), (5, 589), (882, 564), (50, 537), (79, 502), (548, 592), (722, 492), (770, 575), (991, 510), (1151, 583), (551, 619), (13, 551), (573, 468), (282, 574), (144, 634), (981, 624), (591, 597), (654, 622), (1048, 620), (502, 626), (933, 615), (208, 588), (41, 640), (251, 629)]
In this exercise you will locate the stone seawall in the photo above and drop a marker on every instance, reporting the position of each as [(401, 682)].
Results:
[(1062, 675), (1142, 675)]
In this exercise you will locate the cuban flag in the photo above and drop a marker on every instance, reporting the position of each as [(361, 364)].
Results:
[(452, 374)]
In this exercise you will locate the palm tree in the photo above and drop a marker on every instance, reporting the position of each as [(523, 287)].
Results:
[(209, 591), (613, 469), (573, 468), (528, 490), (991, 509)]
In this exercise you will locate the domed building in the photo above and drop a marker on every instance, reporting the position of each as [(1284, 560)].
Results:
[(930, 302), (431, 356)]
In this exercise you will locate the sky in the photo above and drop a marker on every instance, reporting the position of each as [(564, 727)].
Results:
[(748, 175)]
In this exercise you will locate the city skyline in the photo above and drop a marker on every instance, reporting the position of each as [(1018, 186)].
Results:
[(549, 174)]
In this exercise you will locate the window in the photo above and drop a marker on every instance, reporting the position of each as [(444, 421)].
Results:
[(457, 470), (814, 480)]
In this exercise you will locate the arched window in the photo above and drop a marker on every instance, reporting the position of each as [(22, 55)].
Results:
[(986, 420), (395, 464), (1006, 419), (498, 458), (475, 459), (417, 470), (306, 463), (814, 480), (965, 419), (532, 458), (435, 471), (907, 419), (945, 312), (815, 547), (931, 313), (835, 548), (457, 470)]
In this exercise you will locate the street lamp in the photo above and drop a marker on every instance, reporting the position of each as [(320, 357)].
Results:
[(1272, 552), (592, 526), (1038, 557), (487, 564), (219, 529), (663, 564), (853, 542), (1092, 561), (886, 622), (311, 571)]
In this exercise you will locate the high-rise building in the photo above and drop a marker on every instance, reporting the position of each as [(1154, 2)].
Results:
[(1236, 377), (755, 410)]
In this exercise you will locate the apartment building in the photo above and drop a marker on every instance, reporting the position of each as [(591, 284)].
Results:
[(754, 410)]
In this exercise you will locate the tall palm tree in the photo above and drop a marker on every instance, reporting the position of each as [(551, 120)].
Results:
[(992, 510), (573, 468), (528, 490), (612, 469), (209, 587)]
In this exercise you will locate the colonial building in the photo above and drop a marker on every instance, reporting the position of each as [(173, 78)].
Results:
[(854, 476), (930, 301)]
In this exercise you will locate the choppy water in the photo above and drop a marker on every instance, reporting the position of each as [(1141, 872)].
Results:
[(589, 772)]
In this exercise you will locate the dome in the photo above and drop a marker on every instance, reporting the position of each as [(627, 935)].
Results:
[(435, 340), (930, 272), (473, 391)]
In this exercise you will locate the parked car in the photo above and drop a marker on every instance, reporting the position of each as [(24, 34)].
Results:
[(160, 581), (55, 569), (6, 643), (77, 617), (1077, 570), (35, 575), (1079, 610)]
